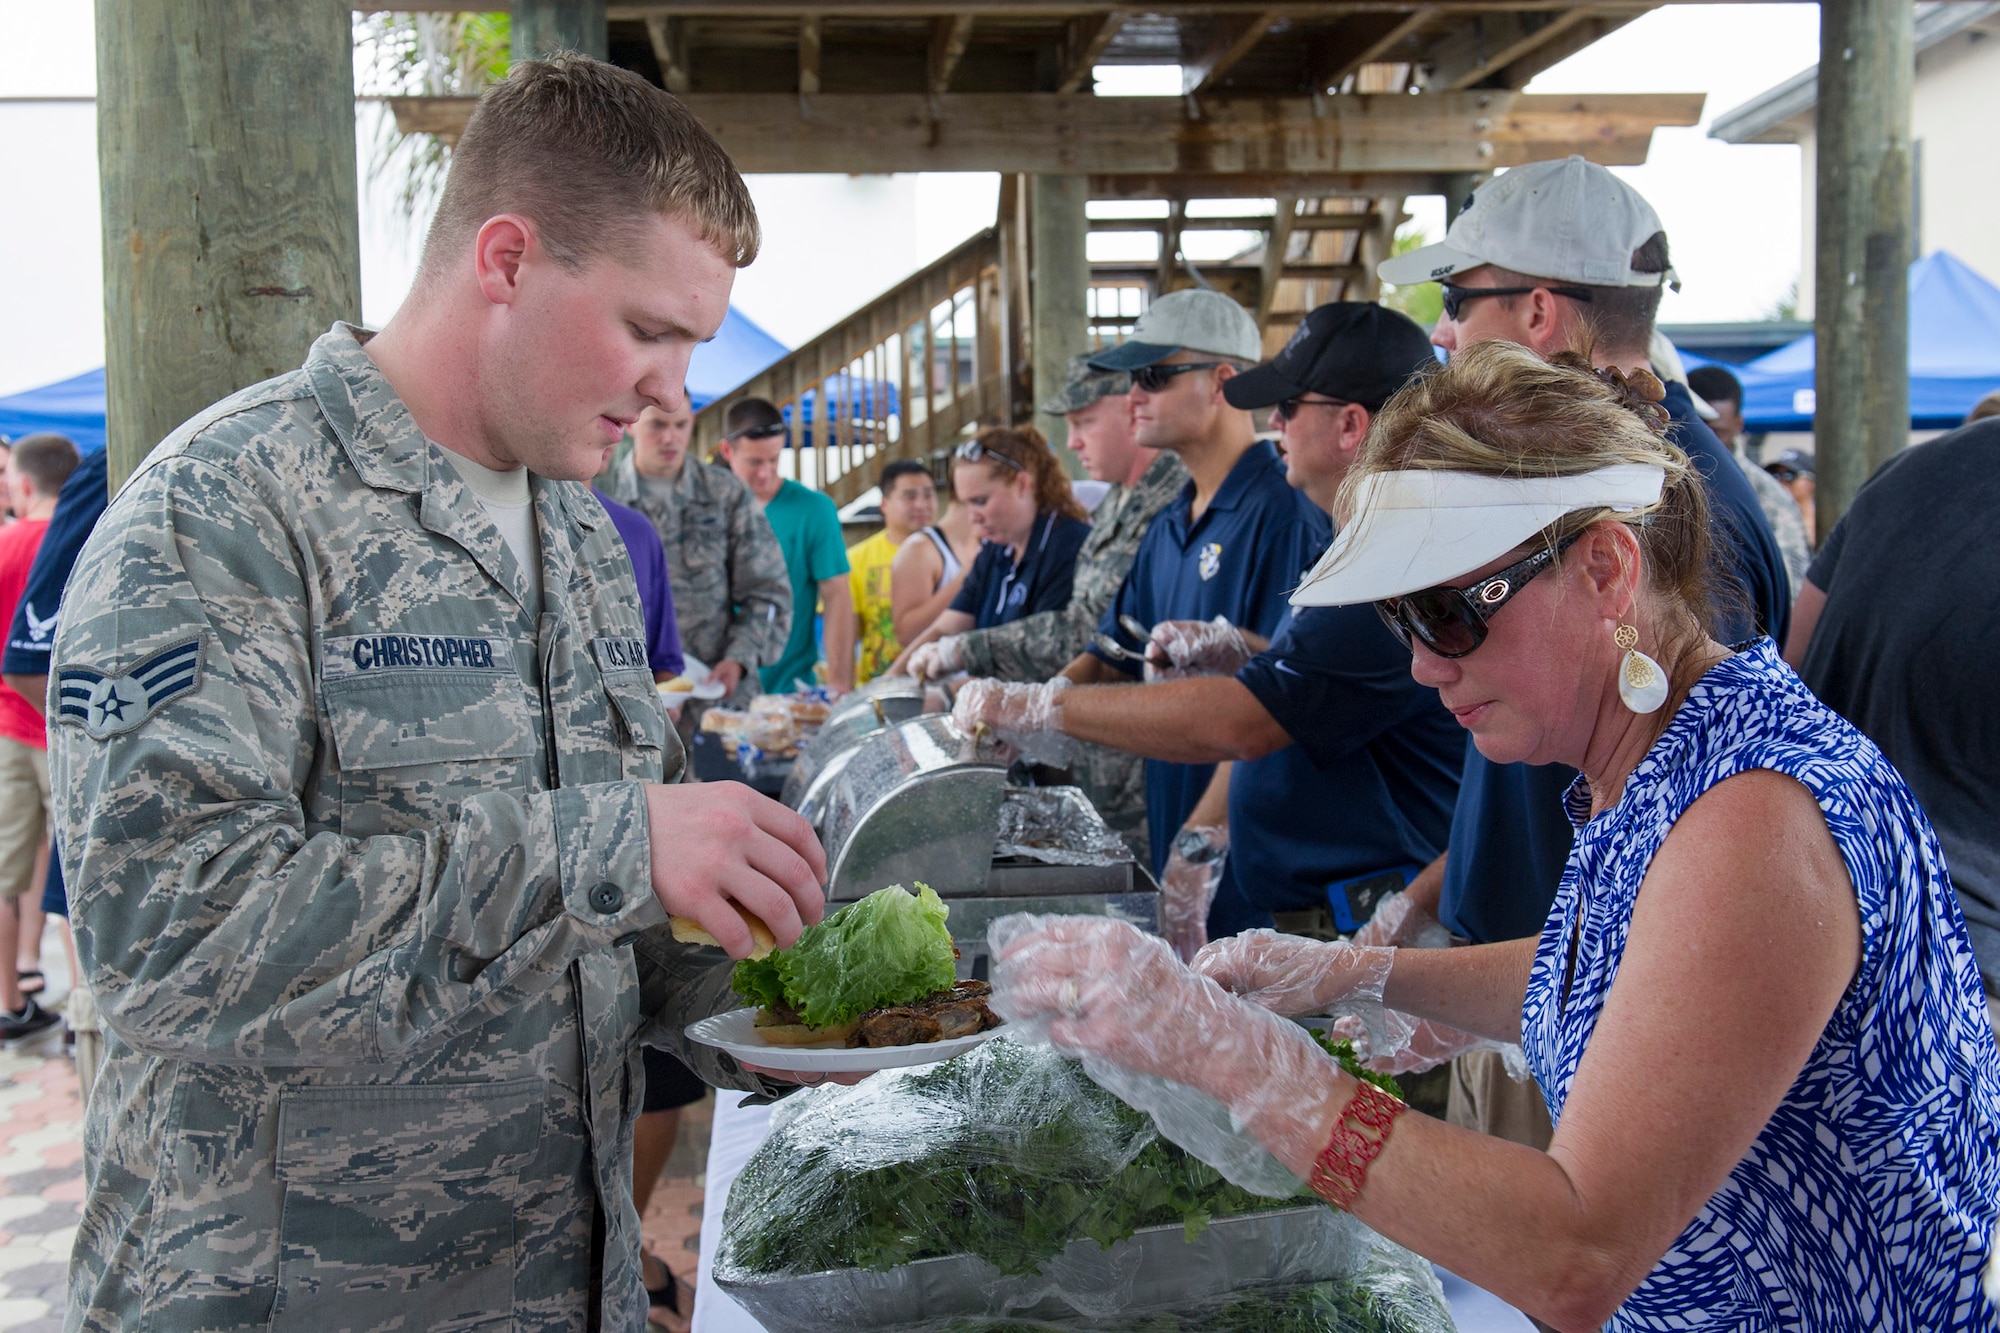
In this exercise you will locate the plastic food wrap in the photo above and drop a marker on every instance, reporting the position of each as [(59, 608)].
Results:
[(1056, 826), (1006, 1189)]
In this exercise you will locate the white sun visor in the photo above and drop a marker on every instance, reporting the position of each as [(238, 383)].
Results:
[(1419, 528)]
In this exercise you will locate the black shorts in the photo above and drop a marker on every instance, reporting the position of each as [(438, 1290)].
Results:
[(670, 1084)]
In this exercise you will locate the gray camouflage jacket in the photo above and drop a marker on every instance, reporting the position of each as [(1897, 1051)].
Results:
[(1036, 647), (732, 595), (360, 870)]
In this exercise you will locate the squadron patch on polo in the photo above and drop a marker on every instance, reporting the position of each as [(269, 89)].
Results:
[(105, 705)]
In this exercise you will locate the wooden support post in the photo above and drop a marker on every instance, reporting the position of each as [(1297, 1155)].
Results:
[(809, 56), (1861, 275), (669, 39), (544, 27), (225, 142), (1058, 291), (1276, 242)]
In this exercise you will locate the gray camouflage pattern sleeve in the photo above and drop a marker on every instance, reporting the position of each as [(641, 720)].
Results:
[(1036, 647), (760, 589)]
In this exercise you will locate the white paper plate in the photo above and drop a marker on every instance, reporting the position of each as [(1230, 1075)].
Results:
[(736, 1033)]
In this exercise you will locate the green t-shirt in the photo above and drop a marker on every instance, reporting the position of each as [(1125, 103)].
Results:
[(808, 529)]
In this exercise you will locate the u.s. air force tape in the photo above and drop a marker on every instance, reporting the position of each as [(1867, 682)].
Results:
[(107, 703), (614, 655), (370, 654)]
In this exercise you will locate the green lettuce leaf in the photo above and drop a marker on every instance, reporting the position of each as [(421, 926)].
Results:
[(890, 948)]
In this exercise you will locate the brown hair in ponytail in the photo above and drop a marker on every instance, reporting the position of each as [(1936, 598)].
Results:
[(1028, 449)]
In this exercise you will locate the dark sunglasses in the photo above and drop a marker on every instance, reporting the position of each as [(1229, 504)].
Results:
[(972, 451), (1456, 297), (1452, 621), (776, 428), (1155, 378), (1289, 407)]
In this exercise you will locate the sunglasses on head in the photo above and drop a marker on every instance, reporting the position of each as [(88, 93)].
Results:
[(1155, 378), (1289, 407), (771, 431), (1456, 297), (972, 451), (1451, 622)]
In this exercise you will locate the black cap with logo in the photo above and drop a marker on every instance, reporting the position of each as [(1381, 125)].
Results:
[(1356, 351)]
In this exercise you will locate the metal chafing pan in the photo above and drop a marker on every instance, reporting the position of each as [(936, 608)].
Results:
[(876, 706), (1158, 1269), (917, 801)]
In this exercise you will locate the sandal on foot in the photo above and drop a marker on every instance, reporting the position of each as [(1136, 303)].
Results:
[(32, 981), (666, 1296)]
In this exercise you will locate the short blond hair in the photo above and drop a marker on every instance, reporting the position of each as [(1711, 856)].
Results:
[(586, 151), (1499, 410)]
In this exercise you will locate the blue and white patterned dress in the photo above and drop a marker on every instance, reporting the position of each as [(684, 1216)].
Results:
[(1868, 1202)]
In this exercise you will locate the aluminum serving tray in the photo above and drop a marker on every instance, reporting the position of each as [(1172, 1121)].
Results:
[(822, 758), (1157, 1269), (919, 801)]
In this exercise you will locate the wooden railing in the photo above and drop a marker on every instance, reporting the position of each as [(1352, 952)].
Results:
[(902, 377)]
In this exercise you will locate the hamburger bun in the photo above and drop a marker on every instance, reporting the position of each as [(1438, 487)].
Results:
[(689, 931), (800, 1034)]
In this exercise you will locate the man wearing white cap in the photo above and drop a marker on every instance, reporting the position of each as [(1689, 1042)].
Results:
[(1561, 255), (1232, 545)]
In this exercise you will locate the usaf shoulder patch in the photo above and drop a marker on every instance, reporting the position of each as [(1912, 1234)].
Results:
[(105, 705)]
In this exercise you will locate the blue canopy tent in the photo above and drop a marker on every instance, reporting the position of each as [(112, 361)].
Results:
[(739, 350), (72, 407), (1954, 355), (75, 407)]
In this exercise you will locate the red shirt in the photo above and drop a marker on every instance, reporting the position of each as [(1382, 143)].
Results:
[(18, 543)]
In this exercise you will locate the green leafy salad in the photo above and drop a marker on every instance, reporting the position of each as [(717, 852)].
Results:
[(889, 948)]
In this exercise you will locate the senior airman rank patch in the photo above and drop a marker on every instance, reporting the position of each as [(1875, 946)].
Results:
[(106, 705)]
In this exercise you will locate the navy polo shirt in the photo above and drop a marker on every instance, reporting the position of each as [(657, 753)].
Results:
[(1509, 836), (997, 590), (1240, 561), (1365, 789)]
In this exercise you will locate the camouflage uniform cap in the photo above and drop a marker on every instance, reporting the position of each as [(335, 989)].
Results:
[(1085, 386)]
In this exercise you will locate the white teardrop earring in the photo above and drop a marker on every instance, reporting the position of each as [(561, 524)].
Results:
[(1642, 685)]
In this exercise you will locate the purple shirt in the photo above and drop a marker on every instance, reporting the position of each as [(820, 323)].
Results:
[(656, 593)]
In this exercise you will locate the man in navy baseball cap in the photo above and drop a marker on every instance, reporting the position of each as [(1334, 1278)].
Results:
[(1345, 351)]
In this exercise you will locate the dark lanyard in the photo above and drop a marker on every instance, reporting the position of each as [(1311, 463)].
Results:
[(1034, 547)]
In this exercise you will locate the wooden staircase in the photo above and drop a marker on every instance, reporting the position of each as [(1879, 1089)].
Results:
[(902, 377)]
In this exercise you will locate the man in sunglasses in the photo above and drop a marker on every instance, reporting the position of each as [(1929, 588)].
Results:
[(808, 529), (1558, 255), (1344, 769)]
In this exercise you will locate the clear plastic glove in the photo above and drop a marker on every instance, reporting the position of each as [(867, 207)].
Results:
[(1293, 976), (1182, 648), (938, 658), (1187, 891), (1207, 1066), (1431, 1044), (1399, 923), (1027, 717)]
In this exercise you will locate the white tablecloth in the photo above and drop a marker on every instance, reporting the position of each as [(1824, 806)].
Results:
[(738, 1131)]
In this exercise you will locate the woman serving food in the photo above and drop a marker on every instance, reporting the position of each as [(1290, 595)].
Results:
[(1753, 1011), (1030, 528)]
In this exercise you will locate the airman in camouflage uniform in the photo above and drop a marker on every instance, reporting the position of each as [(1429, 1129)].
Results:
[(732, 596), (361, 873), (1037, 647)]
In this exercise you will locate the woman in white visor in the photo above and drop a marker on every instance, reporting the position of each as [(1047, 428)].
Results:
[(1753, 1011)]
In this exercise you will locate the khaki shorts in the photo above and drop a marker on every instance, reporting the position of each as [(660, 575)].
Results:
[(24, 804)]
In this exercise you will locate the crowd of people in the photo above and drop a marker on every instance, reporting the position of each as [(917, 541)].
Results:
[(1501, 705)]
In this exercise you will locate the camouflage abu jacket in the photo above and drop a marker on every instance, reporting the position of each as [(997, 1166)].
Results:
[(361, 878), (1036, 647), (732, 596)]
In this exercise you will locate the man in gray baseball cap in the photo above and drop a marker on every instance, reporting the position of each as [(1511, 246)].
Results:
[(1232, 544)]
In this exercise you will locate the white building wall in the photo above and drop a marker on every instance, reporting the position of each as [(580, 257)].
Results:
[(1954, 111), (51, 265)]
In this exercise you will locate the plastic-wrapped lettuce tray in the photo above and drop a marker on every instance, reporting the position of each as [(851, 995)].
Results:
[(1005, 1189)]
